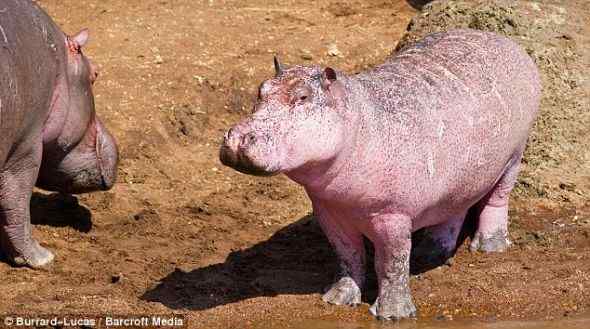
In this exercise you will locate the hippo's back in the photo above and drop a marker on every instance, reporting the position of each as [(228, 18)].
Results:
[(31, 47), (458, 107), (479, 72)]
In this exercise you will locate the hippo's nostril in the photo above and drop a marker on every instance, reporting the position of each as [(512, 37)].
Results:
[(232, 135), (248, 140), (230, 132)]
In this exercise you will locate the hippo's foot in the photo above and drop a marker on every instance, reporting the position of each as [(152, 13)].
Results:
[(343, 292), (391, 306), (497, 242), (35, 256)]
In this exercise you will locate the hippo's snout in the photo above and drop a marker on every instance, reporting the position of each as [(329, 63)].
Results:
[(237, 152), (108, 157)]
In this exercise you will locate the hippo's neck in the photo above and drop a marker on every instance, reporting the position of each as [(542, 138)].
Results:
[(321, 178), (58, 108), (343, 180)]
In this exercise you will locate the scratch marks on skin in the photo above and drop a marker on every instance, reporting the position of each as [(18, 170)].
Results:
[(44, 32), (503, 106), (441, 130), (451, 76), (2, 11), (76, 68), (430, 166), (3, 34)]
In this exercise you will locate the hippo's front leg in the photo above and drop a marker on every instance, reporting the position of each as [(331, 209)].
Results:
[(16, 184), (391, 236), (350, 249)]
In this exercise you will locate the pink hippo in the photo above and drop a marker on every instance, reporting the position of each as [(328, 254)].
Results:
[(416, 142), (51, 136)]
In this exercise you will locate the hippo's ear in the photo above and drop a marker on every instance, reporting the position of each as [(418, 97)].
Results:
[(330, 83), (81, 37), (328, 77), (278, 66)]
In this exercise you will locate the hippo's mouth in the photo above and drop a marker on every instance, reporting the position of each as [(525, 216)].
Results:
[(242, 163)]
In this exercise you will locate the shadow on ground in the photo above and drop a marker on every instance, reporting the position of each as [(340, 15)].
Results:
[(59, 210), (418, 4), (295, 260)]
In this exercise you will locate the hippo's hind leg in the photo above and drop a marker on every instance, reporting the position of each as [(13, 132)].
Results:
[(349, 246), (491, 234), (16, 184)]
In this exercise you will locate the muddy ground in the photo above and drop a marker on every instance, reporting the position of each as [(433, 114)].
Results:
[(180, 233)]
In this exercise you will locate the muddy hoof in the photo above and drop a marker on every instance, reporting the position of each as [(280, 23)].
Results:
[(35, 257), (393, 308), (343, 292), (494, 243)]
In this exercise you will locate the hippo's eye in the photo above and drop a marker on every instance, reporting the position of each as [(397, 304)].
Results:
[(302, 94)]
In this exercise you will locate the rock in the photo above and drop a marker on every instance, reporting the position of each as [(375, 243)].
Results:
[(116, 278), (306, 55), (342, 9), (334, 51)]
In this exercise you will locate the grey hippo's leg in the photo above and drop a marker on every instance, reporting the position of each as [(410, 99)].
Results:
[(491, 234), (16, 184), (391, 236), (349, 246)]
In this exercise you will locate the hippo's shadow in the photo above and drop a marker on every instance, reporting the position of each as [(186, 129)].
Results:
[(295, 260), (418, 4), (60, 211)]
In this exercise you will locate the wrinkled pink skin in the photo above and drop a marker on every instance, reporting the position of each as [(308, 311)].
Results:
[(414, 143), (52, 138)]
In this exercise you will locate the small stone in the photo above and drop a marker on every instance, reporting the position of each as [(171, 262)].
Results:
[(116, 278), (450, 262), (159, 59), (306, 55), (334, 51), (199, 79), (570, 187)]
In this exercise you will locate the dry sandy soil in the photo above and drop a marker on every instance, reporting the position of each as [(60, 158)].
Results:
[(182, 234)]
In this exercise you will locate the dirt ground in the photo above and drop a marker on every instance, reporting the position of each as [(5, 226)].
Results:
[(182, 234)]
